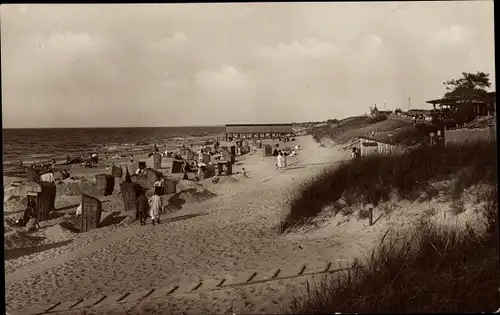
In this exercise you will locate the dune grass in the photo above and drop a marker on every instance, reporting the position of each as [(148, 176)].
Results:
[(374, 179), (435, 269), (350, 128)]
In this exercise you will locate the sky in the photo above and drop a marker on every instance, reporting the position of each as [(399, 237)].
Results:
[(151, 65)]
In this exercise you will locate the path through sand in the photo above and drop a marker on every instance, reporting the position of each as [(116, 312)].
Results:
[(239, 230)]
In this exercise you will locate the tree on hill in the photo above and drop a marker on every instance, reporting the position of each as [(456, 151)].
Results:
[(398, 111), (470, 85)]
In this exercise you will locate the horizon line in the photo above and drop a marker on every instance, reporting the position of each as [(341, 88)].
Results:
[(124, 127), (113, 127)]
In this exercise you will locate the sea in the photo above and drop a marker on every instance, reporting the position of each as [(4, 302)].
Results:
[(42, 145)]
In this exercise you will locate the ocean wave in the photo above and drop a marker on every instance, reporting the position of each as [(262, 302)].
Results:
[(41, 145)]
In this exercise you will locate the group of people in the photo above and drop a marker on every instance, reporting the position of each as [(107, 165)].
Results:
[(149, 207), (281, 160)]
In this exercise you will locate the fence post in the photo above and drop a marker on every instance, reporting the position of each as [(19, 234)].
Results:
[(370, 215)]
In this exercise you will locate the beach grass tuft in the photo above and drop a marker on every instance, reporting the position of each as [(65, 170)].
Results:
[(374, 179), (432, 269)]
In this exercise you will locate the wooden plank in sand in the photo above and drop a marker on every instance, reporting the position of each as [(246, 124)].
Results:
[(91, 213)]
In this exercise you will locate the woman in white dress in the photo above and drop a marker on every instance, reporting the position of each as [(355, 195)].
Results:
[(155, 206)]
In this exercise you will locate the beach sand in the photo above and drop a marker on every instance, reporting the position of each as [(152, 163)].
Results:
[(239, 229), (235, 231)]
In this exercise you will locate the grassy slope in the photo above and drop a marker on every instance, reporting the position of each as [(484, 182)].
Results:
[(438, 269), (376, 178), (351, 128)]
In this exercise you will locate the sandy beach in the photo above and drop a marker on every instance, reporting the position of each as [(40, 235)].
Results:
[(234, 230)]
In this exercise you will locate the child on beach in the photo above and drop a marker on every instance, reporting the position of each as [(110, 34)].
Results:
[(142, 207), (280, 161), (155, 205)]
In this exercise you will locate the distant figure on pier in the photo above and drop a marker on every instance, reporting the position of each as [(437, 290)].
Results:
[(20, 163)]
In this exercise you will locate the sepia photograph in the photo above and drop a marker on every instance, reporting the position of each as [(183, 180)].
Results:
[(250, 158)]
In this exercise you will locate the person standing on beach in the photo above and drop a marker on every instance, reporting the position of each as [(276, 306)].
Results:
[(155, 205), (353, 154), (142, 207), (278, 161)]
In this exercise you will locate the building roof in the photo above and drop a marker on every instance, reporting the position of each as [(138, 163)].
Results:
[(456, 101), (383, 138), (419, 111), (473, 98), (403, 136)]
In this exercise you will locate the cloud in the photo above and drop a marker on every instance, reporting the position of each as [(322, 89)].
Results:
[(69, 41), (226, 77), (176, 83), (174, 43), (454, 34), (372, 43), (23, 8), (311, 47)]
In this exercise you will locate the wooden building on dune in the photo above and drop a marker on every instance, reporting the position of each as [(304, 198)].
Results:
[(259, 130), (381, 144), (473, 104)]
